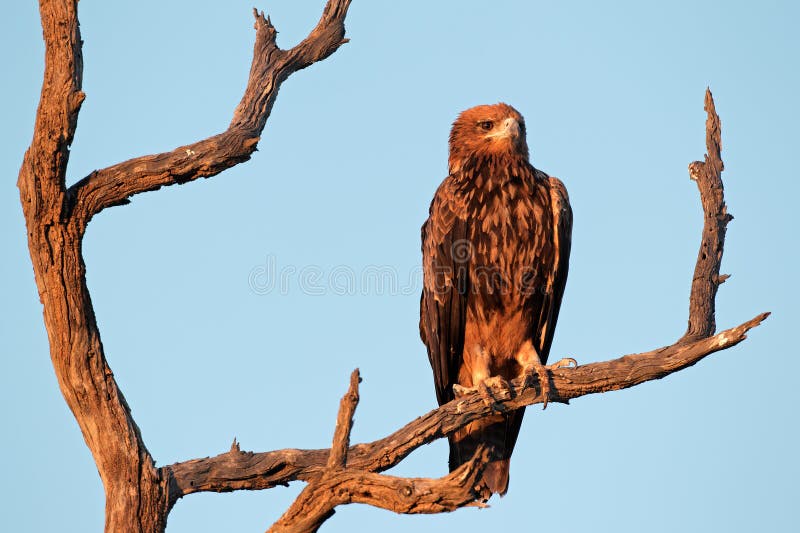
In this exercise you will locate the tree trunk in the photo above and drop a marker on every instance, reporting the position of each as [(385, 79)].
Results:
[(136, 499), (139, 496)]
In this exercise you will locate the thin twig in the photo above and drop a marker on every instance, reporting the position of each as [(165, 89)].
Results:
[(344, 424)]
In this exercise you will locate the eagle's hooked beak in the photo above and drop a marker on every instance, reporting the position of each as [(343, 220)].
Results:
[(509, 128)]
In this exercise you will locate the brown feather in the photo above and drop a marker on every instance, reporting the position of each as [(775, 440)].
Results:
[(495, 257)]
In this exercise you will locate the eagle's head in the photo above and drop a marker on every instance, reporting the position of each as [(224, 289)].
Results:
[(487, 130)]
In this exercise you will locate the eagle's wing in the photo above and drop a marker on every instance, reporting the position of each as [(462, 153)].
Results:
[(557, 279), (446, 254)]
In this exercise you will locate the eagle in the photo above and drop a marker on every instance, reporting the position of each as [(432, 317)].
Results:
[(495, 253)]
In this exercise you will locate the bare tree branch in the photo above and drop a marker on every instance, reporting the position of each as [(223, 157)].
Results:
[(337, 478), (341, 484), (270, 67), (137, 496), (45, 164), (140, 496), (706, 280), (255, 471), (344, 424), (316, 503), (310, 509)]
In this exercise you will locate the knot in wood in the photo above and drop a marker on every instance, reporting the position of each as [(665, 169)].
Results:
[(695, 169)]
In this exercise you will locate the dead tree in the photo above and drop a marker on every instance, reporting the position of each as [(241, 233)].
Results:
[(139, 496)]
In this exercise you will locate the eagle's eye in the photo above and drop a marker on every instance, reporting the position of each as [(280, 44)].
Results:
[(486, 125)]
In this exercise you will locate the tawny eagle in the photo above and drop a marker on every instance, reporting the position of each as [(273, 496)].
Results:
[(495, 252)]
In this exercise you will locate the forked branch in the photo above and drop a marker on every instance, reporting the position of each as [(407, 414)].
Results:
[(341, 483), (255, 471), (139, 496), (270, 67), (337, 478)]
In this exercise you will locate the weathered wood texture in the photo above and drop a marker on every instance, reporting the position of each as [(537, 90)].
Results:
[(202, 159), (135, 495), (238, 470), (340, 483), (139, 495), (706, 279), (326, 489)]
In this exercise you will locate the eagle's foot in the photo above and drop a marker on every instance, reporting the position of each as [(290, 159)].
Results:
[(491, 390), (542, 373), (542, 377), (499, 383)]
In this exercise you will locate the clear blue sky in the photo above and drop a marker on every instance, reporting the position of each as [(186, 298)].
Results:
[(350, 158)]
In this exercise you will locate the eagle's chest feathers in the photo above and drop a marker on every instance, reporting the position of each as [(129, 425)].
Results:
[(509, 224), (510, 227)]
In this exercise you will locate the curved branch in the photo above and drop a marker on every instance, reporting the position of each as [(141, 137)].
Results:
[(270, 67), (337, 478), (135, 490), (316, 503), (341, 484), (137, 497), (254, 471)]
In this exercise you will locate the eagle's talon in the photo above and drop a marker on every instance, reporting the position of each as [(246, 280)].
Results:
[(487, 393), (543, 377), (567, 362), (541, 373), (499, 383)]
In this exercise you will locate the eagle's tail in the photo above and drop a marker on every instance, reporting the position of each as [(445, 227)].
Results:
[(500, 436), (496, 476)]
